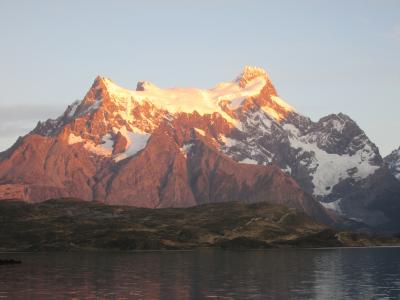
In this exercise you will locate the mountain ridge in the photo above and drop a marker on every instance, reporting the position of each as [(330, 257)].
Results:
[(243, 121)]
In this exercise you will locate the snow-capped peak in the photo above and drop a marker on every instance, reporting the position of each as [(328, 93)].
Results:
[(101, 80), (148, 105), (249, 73), (226, 95), (145, 86)]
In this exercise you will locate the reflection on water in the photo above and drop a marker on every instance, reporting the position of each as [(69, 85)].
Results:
[(205, 274)]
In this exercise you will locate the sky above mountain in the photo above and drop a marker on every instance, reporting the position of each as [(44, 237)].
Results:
[(323, 56)]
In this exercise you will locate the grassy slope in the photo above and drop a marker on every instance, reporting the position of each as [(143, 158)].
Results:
[(75, 225)]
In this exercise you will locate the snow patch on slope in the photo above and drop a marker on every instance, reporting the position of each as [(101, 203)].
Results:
[(393, 162), (248, 161), (93, 107), (200, 131), (137, 140), (234, 93), (103, 149), (228, 142), (185, 149), (329, 169), (291, 129), (74, 139), (282, 103), (334, 205), (72, 108)]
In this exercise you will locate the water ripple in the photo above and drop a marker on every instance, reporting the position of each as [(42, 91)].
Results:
[(205, 274)]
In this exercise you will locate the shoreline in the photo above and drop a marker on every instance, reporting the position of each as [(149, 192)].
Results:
[(203, 249)]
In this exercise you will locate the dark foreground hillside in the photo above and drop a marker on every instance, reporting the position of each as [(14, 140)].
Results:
[(68, 224)]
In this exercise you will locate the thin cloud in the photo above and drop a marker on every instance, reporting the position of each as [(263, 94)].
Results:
[(15, 129), (19, 112), (18, 120), (9, 132)]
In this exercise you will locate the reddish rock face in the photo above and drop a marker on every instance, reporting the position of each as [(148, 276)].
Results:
[(120, 144), (179, 167), (48, 167), (120, 150)]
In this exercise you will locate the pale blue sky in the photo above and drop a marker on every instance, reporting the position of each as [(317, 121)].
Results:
[(323, 56)]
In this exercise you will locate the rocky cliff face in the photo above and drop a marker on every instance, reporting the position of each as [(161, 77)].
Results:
[(393, 162), (180, 147)]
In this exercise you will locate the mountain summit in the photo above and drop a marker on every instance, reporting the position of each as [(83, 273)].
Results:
[(250, 73), (175, 147)]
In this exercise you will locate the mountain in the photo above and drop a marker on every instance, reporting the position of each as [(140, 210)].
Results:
[(393, 162), (239, 141), (148, 148), (68, 224)]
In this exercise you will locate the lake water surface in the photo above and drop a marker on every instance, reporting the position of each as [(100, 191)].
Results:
[(368, 273)]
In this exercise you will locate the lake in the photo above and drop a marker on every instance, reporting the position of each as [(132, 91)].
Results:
[(367, 273)]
